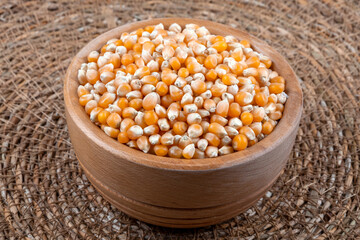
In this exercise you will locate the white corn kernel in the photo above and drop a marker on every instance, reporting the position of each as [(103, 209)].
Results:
[(136, 84), (136, 130), (111, 47), (167, 139), (121, 50), (82, 77), (88, 87), (206, 95), (226, 150), (180, 82), (199, 101), (154, 139), (102, 60), (250, 72), (202, 144), (175, 28), (106, 77), (149, 130), (143, 144), (84, 66), (193, 118), (131, 144), (226, 141), (163, 124), (203, 113), (247, 108), (273, 74), (235, 123), (189, 151), (270, 108), (187, 89), (233, 89), (190, 108), (281, 97), (133, 95), (211, 151), (231, 131)]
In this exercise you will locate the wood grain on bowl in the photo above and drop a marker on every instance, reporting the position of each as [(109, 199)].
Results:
[(178, 192)]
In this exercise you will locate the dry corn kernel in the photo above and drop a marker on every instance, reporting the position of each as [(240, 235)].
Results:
[(278, 79), (175, 152), (136, 104), (245, 43), (246, 118), (113, 120), (150, 101), (218, 119), (161, 150), (280, 107), (175, 63), (150, 117), (211, 75), (180, 128), (134, 132), (195, 130), (212, 139), (240, 142), (267, 128), (162, 88), (122, 137), (181, 92), (220, 46), (261, 99), (129, 112), (258, 114), (218, 89), (106, 99), (253, 62), (217, 129), (234, 110), (147, 88), (222, 108), (151, 130), (272, 98), (189, 151), (175, 93), (122, 103), (131, 68), (112, 132), (166, 100), (198, 86), (90, 105), (94, 113), (210, 61), (102, 116), (243, 98), (84, 99), (126, 124), (275, 115), (276, 88)]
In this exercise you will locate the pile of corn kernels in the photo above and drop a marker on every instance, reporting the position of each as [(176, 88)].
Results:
[(182, 93)]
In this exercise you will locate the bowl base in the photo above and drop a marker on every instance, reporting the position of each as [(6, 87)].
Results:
[(173, 217)]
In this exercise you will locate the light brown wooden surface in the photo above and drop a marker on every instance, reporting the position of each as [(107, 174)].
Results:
[(178, 192)]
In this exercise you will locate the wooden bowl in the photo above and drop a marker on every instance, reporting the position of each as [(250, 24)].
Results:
[(177, 192)]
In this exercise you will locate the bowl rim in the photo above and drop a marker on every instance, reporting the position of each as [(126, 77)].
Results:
[(286, 126)]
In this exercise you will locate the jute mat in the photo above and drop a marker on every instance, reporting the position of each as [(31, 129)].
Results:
[(45, 195)]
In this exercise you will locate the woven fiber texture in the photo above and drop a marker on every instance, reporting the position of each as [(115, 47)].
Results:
[(45, 195)]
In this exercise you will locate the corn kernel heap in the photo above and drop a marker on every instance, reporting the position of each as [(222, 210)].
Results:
[(182, 93)]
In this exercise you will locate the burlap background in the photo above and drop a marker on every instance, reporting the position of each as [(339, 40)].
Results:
[(45, 195)]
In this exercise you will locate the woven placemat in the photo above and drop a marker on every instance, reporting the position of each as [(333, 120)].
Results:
[(45, 195)]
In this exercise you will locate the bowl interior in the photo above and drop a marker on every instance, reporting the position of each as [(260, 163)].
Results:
[(286, 126)]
